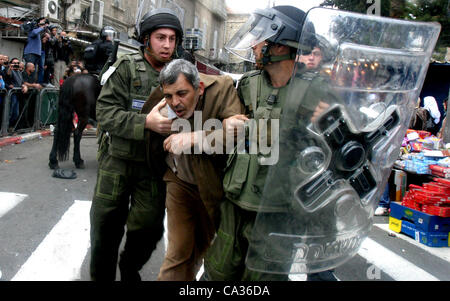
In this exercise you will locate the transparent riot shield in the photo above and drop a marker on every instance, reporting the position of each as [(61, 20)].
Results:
[(340, 133)]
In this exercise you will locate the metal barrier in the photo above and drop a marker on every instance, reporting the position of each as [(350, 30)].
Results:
[(28, 97), (6, 109), (3, 93), (46, 108)]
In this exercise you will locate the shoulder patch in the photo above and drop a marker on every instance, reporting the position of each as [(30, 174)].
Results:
[(251, 73), (107, 74)]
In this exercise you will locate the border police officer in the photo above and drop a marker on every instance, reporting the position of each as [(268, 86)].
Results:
[(273, 34), (127, 191)]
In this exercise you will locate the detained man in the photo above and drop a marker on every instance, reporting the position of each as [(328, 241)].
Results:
[(195, 173)]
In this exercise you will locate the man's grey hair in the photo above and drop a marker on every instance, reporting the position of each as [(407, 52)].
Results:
[(169, 74)]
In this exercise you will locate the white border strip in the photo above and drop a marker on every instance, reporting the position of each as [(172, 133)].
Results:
[(441, 252), (392, 264), (9, 200), (60, 255)]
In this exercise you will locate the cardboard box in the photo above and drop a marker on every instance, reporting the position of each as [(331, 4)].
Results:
[(431, 239), (422, 221)]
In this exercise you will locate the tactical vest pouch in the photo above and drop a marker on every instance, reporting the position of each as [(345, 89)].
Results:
[(236, 172), (119, 147), (126, 149), (102, 145)]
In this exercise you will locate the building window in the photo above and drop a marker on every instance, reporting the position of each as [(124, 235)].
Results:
[(117, 3)]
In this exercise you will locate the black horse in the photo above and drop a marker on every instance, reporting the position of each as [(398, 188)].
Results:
[(78, 94)]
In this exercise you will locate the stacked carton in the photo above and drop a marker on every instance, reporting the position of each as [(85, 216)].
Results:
[(432, 198), (428, 229)]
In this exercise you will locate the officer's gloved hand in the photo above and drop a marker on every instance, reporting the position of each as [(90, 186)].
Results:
[(234, 125), (182, 143), (157, 122)]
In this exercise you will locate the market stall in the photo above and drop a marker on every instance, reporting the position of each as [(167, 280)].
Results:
[(421, 190)]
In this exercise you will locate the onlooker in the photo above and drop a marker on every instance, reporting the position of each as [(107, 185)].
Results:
[(430, 104), (194, 182), (63, 52), (47, 61), (384, 204), (5, 63), (28, 78), (33, 49), (440, 134), (13, 79), (2, 62), (2, 86)]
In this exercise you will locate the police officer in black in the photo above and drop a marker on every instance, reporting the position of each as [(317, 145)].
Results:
[(97, 54)]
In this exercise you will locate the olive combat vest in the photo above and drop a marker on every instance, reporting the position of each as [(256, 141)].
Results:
[(143, 79), (245, 177)]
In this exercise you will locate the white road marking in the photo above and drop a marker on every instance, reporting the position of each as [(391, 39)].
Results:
[(60, 255), (392, 264), (9, 200), (442, 253)]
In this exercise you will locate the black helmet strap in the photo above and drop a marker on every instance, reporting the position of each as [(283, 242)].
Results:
[(268, 58)]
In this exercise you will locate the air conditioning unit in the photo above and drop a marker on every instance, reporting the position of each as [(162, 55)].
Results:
[(50, 9), (96, 13), (73, 12), (193, 39)]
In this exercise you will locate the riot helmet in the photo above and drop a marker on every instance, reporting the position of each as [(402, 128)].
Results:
[(277, 25), (53, 26), (108, 32), (159, 18)]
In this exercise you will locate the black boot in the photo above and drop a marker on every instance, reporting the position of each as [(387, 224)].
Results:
[(322, 276)]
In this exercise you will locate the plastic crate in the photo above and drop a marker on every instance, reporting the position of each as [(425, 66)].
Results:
[(422, 221), (431, 239)]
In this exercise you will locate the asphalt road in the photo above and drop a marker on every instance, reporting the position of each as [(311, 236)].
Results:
[(24, 170), (28, 226)]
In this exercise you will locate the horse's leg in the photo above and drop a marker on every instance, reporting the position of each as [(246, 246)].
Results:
[(81, 125), (52, 158)]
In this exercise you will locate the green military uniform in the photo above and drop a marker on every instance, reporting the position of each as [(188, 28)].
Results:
[(245, 178), (127, 191), (243, 184)]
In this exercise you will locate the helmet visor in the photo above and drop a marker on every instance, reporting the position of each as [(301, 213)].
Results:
[(257, 29), (109, 33)]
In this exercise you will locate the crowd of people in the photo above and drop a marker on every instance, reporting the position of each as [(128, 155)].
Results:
[(145, 168), (48, 59)]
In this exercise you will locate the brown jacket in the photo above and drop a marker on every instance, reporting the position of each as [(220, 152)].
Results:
[(219, 101)]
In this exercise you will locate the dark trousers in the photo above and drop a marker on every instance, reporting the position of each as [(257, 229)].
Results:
[(125, 194), (225, 259)]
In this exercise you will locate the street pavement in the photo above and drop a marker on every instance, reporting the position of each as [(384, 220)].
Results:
[(44, 227)]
